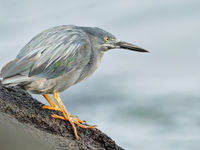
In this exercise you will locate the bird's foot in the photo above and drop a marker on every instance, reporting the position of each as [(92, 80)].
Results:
[(52, 106), (75, 120), (66, 116), (56, 108)]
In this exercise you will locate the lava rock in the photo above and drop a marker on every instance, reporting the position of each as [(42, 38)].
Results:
[(25, 125)]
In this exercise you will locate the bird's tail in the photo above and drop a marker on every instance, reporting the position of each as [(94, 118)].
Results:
[(13, 76), (15, 80)]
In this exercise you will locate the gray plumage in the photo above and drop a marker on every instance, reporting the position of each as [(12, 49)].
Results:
[(60, 57)]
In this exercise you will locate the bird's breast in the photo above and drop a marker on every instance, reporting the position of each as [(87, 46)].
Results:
[(95, 63), (99, 60), (92, 65)]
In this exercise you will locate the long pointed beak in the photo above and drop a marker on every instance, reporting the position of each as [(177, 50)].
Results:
[(129, 46)]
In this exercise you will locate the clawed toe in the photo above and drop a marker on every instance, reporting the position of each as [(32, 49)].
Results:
[(51, 108), (74, 120)]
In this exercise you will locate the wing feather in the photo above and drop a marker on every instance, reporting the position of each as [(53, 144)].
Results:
[(51, 53)]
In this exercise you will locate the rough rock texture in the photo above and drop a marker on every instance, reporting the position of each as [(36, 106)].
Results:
[(24, 124)]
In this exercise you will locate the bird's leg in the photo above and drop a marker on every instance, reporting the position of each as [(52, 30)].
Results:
[(65, 113), (52, 106), (68, 117)]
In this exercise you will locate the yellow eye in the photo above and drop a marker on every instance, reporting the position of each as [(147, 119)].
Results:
[(106, 39)]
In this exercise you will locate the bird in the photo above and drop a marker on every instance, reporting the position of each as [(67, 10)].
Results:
[(58, 58)]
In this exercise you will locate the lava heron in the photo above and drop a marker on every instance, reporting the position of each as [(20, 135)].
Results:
[(58, 58)]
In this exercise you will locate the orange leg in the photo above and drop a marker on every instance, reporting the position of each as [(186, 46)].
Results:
[(65, 113), (68, 117), (53, 105)]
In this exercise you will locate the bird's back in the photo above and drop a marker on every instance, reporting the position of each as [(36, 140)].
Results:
[(49, 37)]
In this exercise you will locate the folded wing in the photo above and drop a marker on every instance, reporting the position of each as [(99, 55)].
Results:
[(50, 54)]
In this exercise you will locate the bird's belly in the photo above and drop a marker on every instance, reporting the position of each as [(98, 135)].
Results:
[(67, 80), (59, 84)]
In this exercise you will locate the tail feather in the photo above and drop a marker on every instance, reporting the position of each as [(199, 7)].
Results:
[(6, 68), (16, 80)]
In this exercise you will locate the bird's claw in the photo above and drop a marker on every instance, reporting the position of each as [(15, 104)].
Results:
[(74, 119), (56, 108)]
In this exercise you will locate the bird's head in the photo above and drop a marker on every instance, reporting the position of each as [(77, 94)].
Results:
[(103, 40)]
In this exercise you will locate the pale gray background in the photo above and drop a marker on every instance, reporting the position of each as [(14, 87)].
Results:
[(143, 101)]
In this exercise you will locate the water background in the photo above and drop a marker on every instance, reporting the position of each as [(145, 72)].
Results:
[(143, 101)]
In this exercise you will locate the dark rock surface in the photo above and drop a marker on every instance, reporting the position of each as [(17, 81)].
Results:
[(22, 116)]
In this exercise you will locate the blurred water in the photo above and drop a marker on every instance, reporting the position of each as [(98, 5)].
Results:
[(143, 101)]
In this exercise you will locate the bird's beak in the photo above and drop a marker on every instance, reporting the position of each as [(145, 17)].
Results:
[(129, 46)]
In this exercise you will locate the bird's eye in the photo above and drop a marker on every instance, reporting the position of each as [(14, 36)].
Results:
[(106, 39)]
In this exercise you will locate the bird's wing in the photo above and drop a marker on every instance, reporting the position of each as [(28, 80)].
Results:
[(18, 66), (51, 53)]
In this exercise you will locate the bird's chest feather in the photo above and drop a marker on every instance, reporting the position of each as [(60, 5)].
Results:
[(97, 61), (92, 65)]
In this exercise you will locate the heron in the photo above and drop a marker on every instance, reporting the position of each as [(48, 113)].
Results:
[(58, 58)]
